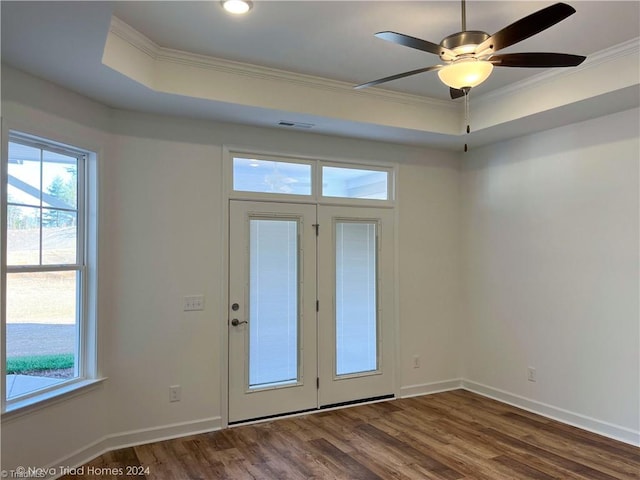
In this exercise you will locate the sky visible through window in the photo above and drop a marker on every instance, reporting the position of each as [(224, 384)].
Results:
[(289, 178)]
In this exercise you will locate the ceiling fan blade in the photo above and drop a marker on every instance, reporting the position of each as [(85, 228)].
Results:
[(527, 27), (536, 60), (397, 76), (412, 42)]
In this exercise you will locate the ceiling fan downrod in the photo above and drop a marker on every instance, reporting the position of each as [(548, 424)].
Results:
[(464, 16)]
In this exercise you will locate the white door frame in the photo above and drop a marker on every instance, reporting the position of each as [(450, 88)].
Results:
[(227, 193)]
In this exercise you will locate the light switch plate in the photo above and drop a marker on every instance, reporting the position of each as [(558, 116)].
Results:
[(193, 303)]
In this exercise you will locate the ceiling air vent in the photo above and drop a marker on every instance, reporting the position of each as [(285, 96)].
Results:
[(287, 123)]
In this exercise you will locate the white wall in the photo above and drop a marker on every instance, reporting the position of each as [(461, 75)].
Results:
[(429, 290), (161, 238), (547, 226), (167, 181), (58, 431), (550, 237)]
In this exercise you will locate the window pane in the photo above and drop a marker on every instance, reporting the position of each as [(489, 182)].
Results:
[(267, 176), (273, 297), (41, 340), (354, 183), (59, 237), (23, 175), (59, 177), (356, 298), (23, 235)]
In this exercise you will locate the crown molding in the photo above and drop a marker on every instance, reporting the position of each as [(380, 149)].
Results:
[(272, 74), (194, 60), (136, 39), (424, 109)]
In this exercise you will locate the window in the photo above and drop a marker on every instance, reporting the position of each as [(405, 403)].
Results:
[(265, 177), (355, 183), (270, 176), (47, 259)]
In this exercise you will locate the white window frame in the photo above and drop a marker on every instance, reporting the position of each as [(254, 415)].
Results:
[(86, 368), (316, 178)]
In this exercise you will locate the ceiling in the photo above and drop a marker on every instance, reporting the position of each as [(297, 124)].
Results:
[(328, 43)]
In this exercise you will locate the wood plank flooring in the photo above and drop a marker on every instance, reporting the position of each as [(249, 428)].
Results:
[(446, 436)]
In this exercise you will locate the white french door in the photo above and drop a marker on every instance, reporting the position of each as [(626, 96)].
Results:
[(356, 295), (310, 316), (272, 309)]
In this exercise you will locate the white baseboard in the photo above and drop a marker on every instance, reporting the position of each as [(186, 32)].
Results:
[(429, 388), (132, 438), (584, 422), (166, 432)]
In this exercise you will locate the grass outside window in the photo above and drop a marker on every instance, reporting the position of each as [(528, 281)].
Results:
[(34, 364)]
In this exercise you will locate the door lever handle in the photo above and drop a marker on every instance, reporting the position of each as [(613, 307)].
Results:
[(235, 322)]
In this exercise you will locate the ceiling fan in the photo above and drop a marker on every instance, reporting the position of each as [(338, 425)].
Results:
[(469, 56)]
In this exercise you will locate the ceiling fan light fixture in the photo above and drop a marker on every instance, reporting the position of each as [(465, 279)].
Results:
[(237, 7), (465, 73)]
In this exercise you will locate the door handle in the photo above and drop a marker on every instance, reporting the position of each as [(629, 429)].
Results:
[(235, 322)]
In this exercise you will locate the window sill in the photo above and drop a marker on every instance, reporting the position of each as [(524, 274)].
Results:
[(18, 408)]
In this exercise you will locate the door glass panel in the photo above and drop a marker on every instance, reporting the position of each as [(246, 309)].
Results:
[(356, 298), (273, 302)]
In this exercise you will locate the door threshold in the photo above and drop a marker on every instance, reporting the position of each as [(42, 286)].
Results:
[(381, 398), (271, 417), (333, 406)]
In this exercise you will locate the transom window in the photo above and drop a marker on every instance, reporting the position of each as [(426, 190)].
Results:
[(271, 176), (319, 180), (352, 182)]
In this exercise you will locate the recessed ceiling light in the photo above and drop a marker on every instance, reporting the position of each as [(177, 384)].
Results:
[(237, 7)]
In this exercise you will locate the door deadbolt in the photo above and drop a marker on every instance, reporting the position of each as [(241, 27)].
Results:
[(235, 307)]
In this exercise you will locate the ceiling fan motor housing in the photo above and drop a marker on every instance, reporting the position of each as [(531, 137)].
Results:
[(454, 41)]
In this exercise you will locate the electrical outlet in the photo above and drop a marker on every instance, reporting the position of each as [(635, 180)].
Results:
[(193, 303), (416, 361), (175, 393), (531, 374)]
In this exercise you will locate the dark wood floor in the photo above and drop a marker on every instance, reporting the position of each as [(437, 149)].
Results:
[(451, 435)]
